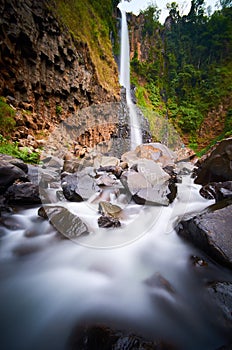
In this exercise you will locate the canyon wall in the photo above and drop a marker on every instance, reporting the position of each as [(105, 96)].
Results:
[(46, 73)]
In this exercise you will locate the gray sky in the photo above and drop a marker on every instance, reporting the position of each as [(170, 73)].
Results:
[(136, 5)]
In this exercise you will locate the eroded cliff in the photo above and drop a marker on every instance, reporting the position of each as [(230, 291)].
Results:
[(46, 71)]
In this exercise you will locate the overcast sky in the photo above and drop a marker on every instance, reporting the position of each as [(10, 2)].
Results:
[(136, 6)]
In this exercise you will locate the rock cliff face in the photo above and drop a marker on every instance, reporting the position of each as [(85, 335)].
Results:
[(43, 69)]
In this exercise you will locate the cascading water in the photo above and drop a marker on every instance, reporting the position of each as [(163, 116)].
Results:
[(124, 79)]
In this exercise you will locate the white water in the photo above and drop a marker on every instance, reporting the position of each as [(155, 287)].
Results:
[(48, 286), (136, 134)]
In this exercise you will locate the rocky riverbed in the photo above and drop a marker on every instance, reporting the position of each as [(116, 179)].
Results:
[(97, 251)]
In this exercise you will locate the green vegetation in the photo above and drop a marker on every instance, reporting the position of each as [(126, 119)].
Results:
[(58, 110), (7, 113), (12, 149), (92, 23), (188, 70)]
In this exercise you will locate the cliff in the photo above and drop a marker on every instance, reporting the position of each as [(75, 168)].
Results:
[(48, 71)]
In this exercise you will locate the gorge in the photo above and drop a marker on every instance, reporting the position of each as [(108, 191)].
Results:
[(123, 246)]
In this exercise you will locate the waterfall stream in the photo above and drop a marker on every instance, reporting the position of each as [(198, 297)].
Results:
[(49, 285), (136, 134)]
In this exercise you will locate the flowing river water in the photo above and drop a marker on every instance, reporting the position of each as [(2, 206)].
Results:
[(140, 277)]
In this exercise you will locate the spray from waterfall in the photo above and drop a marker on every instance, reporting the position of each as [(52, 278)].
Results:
[(124, 79)]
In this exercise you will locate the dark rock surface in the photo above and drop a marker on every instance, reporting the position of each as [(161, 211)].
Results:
[(66, 223), (10, 173), (23, 193), (101, 337), (216, 165), (221, 294), (211, 231), (217, 190), (108, 221)]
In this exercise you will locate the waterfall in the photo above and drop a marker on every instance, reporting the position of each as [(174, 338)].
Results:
[(124, 79)]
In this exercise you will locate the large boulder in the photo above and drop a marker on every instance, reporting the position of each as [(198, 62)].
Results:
[(15, 161), (148, 183), (156, 152), (23, 193), (79, 186), (211, 231), (9, 173), (217, 165), (217, 190), (65, 222)]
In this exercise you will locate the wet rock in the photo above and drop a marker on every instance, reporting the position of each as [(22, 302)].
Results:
[(79, 186), (23, 193), (95, 337), (150, 184), (217, 190), (211, 231), (15, 161), (105, 180), (49, 178), (198, 262), (108, 209), (221, 294), (65, 222), (157, 280), (216, 166), (108, 221), (9, 173)]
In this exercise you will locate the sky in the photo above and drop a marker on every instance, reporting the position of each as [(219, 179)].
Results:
[(136, 6)]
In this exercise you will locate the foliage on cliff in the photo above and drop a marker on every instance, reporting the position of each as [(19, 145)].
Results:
[(92, 23), (188, 70)]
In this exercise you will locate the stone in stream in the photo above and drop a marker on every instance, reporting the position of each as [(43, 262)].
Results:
[(9, 173), (79, 186), (23, 193), (150, 184), (109, 209), (220, 294), (211, 231), (217, 190), (108, 221), (216, 165), (65, 222)]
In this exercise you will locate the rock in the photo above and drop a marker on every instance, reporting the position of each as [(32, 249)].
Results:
[(108, 221), (149, 184), (217, 190), (221, 295), (15, 161), (211, 231), (115, 170), (101, 337), (23, 193), (9, 173), (108, 209), (216, 166), (66, 223), (109, 161), (105, 180), (157, 152), (48, 178), (70, 190), (79, 186)]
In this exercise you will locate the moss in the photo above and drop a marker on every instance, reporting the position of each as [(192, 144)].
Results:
[(7, 114), (91, 22)]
